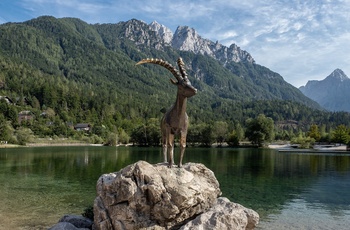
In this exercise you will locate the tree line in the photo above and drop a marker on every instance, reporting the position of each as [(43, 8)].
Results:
[(258, 131)]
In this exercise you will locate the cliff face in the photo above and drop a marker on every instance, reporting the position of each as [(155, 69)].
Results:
[(163, 32), (332, 93), (157, 197), (187, 39)]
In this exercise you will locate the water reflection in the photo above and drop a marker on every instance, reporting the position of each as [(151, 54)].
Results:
[(37, 182)]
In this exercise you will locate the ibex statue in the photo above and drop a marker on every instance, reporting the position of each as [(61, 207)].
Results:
[(175, 120)]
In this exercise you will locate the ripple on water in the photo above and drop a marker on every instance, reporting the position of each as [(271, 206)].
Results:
[(299, 214)]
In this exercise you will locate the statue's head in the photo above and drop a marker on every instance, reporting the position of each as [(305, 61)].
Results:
[(182, 82), (184, 85)]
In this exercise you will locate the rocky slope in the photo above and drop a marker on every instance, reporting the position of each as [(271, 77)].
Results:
[(332, 93), (187, 39)]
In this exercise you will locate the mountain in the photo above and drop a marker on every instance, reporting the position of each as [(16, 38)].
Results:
[(229, 71), (87, 73), (163, 32), (187, 39), (332, 93)]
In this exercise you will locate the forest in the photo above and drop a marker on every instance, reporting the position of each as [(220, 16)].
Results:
[(57, 74)]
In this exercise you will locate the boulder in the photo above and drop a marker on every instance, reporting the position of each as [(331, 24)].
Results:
[(146, 196), (77, 221), (224, 215), (63, 226), (72, 222)]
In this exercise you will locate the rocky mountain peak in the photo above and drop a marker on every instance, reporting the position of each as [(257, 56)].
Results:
[(338, 74), (136, 31), (158, 36), (332, 92), (162, 31), (187, 39)]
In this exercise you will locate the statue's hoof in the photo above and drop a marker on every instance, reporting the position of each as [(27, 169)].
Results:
[(170, 164)]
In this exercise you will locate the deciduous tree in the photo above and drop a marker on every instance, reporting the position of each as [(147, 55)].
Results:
[(341, 135), (260, 129), (314, 133)]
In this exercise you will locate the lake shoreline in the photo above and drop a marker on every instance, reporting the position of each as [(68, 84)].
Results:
[(47, 145)]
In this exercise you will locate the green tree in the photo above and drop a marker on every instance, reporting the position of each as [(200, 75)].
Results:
[(24, 135), (99, 130), (147, 134), (200, 134), (220, 131), (112, 139), (124, 138), (6, 130), (260, 129), (314, 133), (302, 141), (233, 139), (340, 135), (235, 136), (239, 131)]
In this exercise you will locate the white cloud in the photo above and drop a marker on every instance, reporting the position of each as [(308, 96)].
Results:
[(299, 40)]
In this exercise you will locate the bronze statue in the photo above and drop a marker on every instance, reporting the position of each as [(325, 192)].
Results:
[(175, 120)]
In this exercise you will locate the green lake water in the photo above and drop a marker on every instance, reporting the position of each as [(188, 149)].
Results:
[(308, 190)]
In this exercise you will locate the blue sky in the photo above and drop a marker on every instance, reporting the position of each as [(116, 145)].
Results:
[(300, 39)]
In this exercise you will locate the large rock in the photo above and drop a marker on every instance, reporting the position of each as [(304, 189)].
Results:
[(145, 196), (224, 215), (72, 222)]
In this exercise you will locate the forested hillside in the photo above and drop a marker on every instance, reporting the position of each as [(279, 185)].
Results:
[(65, 72)]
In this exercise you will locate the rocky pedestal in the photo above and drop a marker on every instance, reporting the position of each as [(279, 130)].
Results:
[(146, 196)]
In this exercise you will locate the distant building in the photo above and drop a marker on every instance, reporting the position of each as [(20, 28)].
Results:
[(22, 101), (25, 115), (7, 99), (43, 114), (70, 124), (50, 123), (82, 127)]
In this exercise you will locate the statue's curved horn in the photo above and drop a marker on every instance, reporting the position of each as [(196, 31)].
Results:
[(163, 63), (182, 69)]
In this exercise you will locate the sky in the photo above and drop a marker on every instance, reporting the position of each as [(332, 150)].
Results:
[(299, 39)]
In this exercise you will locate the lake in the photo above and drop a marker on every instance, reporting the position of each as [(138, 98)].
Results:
[(38, 185)]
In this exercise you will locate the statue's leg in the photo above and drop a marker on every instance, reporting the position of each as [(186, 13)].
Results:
[(170, 138), (182, 146), (164, 145)]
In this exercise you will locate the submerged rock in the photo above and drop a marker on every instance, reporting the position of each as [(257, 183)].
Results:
[(146, 196)]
